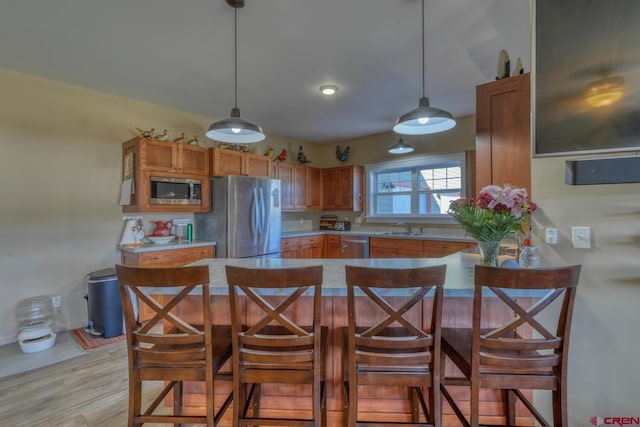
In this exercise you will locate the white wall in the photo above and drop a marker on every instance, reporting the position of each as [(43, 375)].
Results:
[(604, 368), (60, 167)]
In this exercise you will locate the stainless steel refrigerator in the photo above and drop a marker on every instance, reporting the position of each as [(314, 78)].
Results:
[(245, 218)]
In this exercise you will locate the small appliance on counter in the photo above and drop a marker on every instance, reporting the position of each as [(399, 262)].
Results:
[(342, 226)]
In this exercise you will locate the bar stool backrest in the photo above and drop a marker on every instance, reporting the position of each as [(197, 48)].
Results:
[(167, 340), (535, 341), (277, 337)]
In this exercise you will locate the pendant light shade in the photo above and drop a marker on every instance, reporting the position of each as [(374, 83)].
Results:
[(401, 148), (235, 129), (424, 119)]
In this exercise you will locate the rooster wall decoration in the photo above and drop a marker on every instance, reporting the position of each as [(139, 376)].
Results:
[(342, 155), (302, 158)]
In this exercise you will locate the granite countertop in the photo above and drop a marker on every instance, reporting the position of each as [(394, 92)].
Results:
[(151, 247), (382, 234), (459, 277)]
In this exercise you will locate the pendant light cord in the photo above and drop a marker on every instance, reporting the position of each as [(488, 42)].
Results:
[(423, 55), (235, 52)]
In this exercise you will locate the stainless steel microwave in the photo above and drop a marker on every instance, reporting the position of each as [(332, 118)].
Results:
[(175, 191)]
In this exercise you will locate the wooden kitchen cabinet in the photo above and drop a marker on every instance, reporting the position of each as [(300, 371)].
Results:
[(289, 247), (441, 248), (503, 132), (346, 184), (302, 247), (380, 247), (167, 258), (153, 158), (332, 246), (311, 246), (258, 165), (314, 189), (300, 187), (165, 156), (230, 162), (285, 175)]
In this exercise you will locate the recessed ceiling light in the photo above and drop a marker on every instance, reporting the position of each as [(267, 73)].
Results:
[(328, 89)]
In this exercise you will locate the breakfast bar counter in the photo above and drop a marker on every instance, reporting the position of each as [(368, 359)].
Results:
[(459, 279), (380, 404)]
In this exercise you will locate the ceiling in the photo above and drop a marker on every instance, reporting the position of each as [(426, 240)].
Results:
[(180, 54)]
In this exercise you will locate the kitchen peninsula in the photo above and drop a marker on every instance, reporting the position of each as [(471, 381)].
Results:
[(457, 312)]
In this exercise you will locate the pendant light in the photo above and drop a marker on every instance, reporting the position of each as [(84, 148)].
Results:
[(424, 119), (235, 129), (401, 148)]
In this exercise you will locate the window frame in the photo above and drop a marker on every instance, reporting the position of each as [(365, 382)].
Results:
[(412, 163)]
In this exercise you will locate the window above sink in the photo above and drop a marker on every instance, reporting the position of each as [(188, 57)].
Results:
[(417, 189)]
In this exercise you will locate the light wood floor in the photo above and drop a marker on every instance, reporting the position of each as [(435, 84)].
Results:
[(90, 390), (87, 391)]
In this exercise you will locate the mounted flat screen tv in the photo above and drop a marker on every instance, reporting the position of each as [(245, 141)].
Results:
[(586, 82)]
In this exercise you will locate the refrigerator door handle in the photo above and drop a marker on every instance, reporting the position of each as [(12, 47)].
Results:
[(254, 214), (262, 216)]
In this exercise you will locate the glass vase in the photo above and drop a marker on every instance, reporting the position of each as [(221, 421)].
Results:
[(489, 252)]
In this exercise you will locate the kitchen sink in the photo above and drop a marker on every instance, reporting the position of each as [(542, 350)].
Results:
[(398, 233)]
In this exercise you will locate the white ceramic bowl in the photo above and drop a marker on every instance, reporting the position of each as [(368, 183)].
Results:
[(160, 240)]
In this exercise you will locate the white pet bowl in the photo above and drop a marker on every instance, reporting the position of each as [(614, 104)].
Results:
[(35, 340)]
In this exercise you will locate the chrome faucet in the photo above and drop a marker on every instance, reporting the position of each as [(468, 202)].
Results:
[(406, 226)]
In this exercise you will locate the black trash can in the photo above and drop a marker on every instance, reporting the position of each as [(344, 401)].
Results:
[(103, 304)]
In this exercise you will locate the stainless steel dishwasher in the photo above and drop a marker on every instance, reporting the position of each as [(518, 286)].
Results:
[(354, 247)]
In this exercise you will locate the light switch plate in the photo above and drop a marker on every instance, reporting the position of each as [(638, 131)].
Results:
[(581, 237), (551, 236)]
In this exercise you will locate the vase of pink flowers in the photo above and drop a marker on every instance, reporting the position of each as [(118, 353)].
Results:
[(498, 212)]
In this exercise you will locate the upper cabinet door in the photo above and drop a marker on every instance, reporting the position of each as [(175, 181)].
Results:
[(230, 162), (193, 160), (226, 162), (314, 189), (503, 132), (158, 156), (344, 186), (285, 175), (257, 165)]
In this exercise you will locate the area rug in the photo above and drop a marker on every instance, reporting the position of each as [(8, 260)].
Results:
[(88, 341), (13, 361)]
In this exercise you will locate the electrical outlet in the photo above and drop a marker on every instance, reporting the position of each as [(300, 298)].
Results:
[(551, 236), (581, 237)]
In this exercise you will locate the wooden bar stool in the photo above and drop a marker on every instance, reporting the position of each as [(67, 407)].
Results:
[(385, 346), (521, 354), (277, 339), (167, 347)]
